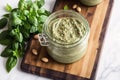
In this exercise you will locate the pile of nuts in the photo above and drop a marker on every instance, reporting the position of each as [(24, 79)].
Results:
[(35, 52), (44, 59), (76, 7)]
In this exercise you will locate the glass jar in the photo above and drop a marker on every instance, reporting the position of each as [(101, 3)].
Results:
[(90, 2), (63, 52)]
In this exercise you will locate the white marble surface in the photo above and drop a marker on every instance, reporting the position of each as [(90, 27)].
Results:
[(109, 65)]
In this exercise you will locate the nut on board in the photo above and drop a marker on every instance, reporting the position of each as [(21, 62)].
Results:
[(78, 9), (44, 59), (36, 36), (74, 6), (34, 51)]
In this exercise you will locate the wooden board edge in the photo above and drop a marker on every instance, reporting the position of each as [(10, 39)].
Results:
[(26, 67), (101, 39), (50, 73)]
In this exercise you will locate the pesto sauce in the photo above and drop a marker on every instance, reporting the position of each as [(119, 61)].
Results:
[(90, 2), (66, 30)]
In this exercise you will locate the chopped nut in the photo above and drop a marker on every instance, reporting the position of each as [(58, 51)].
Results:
[(34, 51), (36, 36), (74, 6), (44, 59), (78, 9)]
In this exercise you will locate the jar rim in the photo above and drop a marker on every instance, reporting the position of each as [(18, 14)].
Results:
[(55, 14)]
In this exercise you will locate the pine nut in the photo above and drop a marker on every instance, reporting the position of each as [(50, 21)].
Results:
[(74, 6), (34, 51), (36, 36), (44, 59), (78, 9)]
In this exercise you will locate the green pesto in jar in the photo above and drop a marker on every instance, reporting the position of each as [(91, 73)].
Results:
[(90, 2), (66, 30), (67, 33)]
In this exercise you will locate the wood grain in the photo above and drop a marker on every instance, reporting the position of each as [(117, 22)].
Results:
[(85, 68)]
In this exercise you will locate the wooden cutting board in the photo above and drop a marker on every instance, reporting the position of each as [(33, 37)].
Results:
[(85, 68)]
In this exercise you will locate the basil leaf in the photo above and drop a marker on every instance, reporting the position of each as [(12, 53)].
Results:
[(66, 7), (4, 34), (14, 32), (33, 20), (8, 8), (5, 38), (3, 22), (33, 29), (34, 6), (15, 45), (7, 52), (11, 62), (15, 20), (41, 11), (40, 3), (14, 10), (40, 28), (26, 35), (5, 41), (25, 31), (19, 37), (16, 53), (24, 4), (42, 18), (22, 18), (6, 15), (25, 12), (47, 13), (21, 49), (21, 4)]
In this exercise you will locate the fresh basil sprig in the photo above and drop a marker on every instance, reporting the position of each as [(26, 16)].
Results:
[(22, 22)]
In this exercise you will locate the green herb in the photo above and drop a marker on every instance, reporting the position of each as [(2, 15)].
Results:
[(5, 39), (66, 7), (40, 3), (6, 15), (3, 22), (11, 62), (8, 8), (7, 52), (22, 22)]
